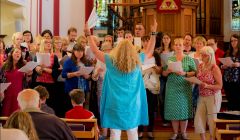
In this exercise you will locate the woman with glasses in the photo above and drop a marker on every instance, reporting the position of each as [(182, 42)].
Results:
[(231, 74)]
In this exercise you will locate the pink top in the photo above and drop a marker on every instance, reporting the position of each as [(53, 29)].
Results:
[(47, 77), (206, 76), (10, 103)]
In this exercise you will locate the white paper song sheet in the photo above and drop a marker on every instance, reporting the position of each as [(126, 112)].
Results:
[(43, 59), (147, 66), (93, 18), (85, 70), (137, 41), (226, 61), (175, 66), (28, 67), (4, 86), (194, 80)]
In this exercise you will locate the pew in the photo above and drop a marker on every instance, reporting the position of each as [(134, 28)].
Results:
[(223, 131), (83, 128)]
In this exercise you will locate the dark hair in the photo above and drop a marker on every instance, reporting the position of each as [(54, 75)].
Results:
[(214, 38), (47, 32), (9, 63), (188, 35), (27, 31), (127, 32), (170, 44), (77, 96), (79, 47), (1, 41), (140, 23), (157, 58), (120, 28), (145, 38), (71, 29), (43, 92), (230, 49)]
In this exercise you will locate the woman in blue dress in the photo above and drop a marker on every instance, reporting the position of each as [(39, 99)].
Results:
[(123, 104)]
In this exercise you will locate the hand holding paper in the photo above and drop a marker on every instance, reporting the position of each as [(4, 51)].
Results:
[(85, 70), (28, 67), (175, 66), (43, 59), (4, 86), (147, 66), (194, 80), (93, 18), (226, 61)]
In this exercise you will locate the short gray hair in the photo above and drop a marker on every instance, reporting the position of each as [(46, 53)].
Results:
[(28, 98)]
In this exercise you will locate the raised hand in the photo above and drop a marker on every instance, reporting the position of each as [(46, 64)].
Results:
[(86, 30), (154, 26)]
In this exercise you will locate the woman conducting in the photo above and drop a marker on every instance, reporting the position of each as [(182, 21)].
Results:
[(123, 104)]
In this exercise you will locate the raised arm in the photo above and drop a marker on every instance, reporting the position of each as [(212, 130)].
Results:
[(151, 44), (99, 54)]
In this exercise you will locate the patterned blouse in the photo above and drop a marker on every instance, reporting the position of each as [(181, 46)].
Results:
[(47, 77), (206, 76), (232, 74)]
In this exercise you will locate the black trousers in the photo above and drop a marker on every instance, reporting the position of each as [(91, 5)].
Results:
[(152, 104), (232, 91)]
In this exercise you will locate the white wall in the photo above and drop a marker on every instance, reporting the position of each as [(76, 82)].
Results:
[(72, 13), (14, 17), (47, 15)]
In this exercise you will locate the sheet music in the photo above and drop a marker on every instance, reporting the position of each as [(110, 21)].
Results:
[(194, 80), (93, 18), (4, 86), (175, 66), (226, 61), (43, 59), (137, 41), (28, 67), (147, 66), (85, 70)]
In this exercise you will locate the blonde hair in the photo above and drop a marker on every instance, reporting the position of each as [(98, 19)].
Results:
[(125, 57), (14, 36), (199, 39), (42, 46), (81, 38), (209, 51), (55, 39), (23, 121), (176, 41)]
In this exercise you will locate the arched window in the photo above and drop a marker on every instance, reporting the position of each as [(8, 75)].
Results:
[(235, 24)]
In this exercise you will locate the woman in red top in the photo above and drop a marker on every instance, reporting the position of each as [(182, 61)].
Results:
[(11, 74), (47, 75), (210, 97)]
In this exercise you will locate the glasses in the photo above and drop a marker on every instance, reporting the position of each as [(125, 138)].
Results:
[(58, 42), (46, 42), (138, 28), (210, 44), (234, 40), (204, 55)]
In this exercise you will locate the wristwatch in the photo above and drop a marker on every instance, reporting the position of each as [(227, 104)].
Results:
[(154, 33)]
